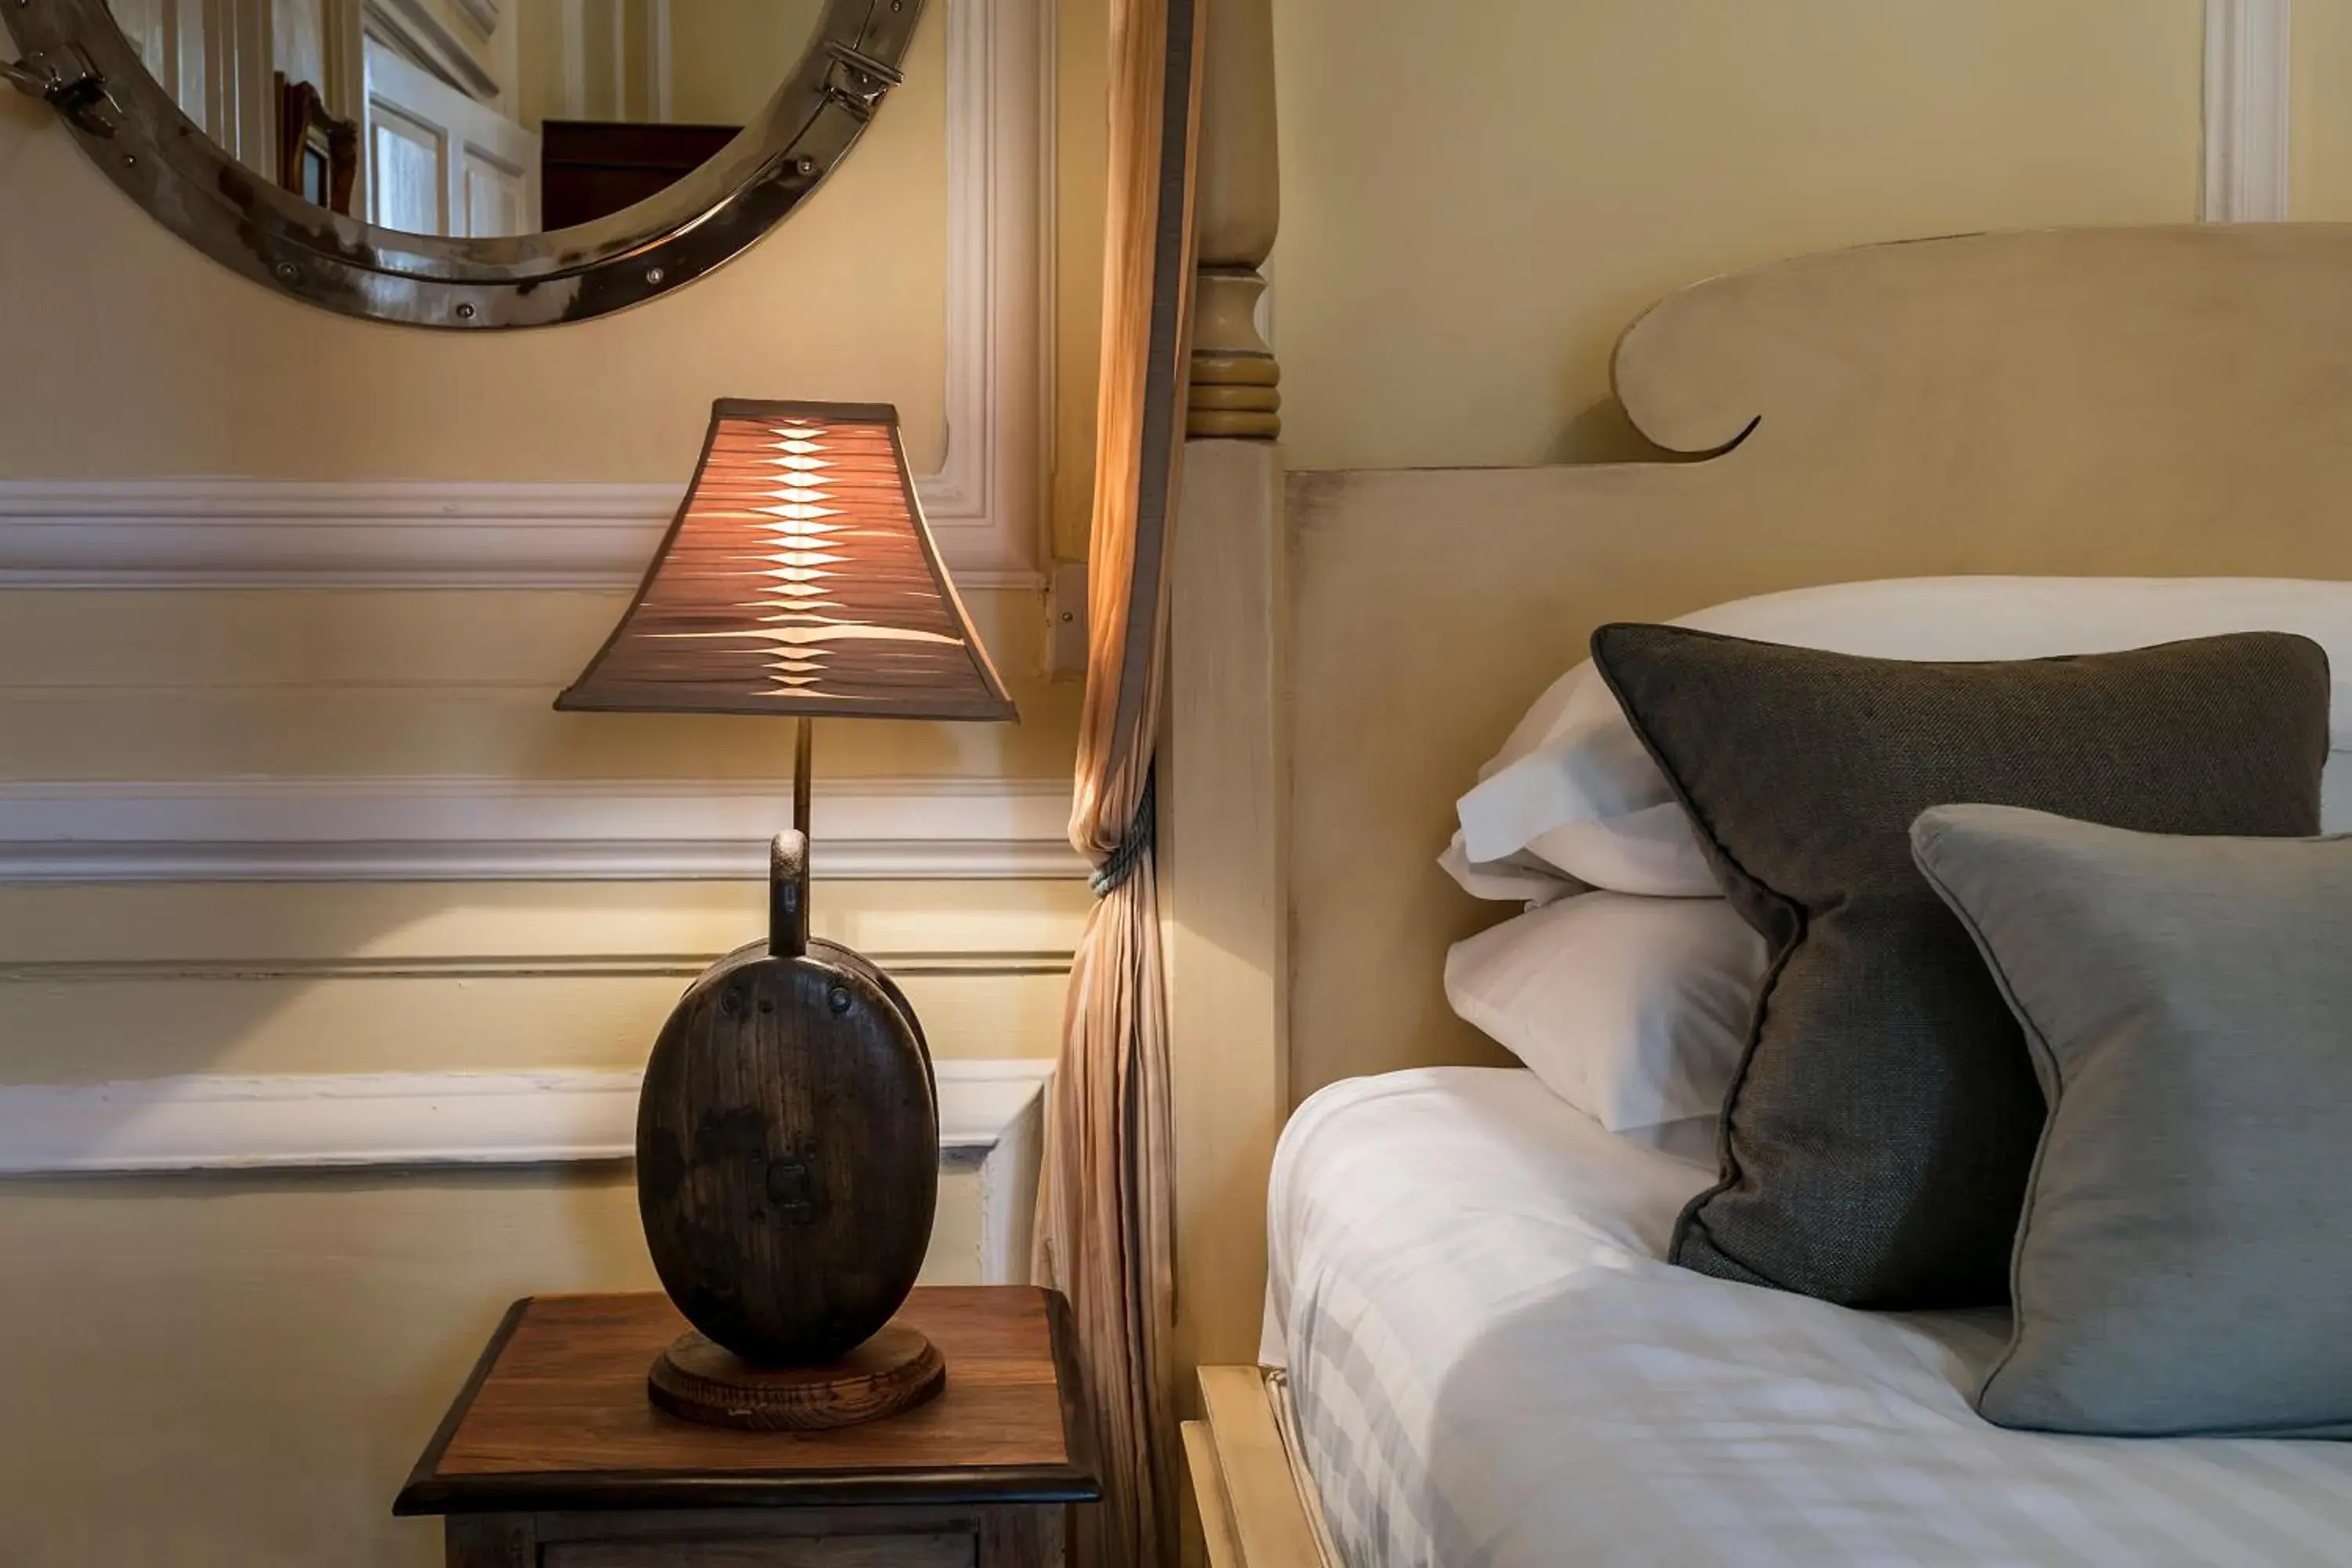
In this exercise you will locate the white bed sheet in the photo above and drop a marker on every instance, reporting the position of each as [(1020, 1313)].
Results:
[(1494, 1368)]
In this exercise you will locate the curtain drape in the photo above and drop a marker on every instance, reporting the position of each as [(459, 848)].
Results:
[(1105, 1199)]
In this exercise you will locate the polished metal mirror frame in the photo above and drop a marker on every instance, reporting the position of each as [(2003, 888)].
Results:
[(78, 59)]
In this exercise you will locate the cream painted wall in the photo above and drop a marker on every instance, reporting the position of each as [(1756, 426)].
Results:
[(1477, 200), (99, 983), (204, 685), (2319, 152), (239, 1372), (232, 1370)]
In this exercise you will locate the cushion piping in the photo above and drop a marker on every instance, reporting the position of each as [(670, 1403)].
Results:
[(1728, 1163), (1924, 834)]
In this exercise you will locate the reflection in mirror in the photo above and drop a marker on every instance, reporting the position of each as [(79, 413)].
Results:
[(471, 118)]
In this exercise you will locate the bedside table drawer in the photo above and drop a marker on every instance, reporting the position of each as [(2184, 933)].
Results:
[(990, 1536), (884, 1551)]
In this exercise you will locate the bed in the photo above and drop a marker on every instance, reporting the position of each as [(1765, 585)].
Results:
[(2161, 401), (1489, 1365)]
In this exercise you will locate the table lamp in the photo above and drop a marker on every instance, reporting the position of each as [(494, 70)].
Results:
[(788, 1129)]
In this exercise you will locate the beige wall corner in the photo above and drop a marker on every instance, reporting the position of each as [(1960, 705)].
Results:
[(1221, 823)]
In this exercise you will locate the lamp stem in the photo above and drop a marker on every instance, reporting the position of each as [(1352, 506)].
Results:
[(803, 770), (788, 863)]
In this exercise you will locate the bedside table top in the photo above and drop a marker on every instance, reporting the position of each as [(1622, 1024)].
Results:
[(555, 1417)]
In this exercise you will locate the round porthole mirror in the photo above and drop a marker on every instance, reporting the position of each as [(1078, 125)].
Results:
[(465, 163)]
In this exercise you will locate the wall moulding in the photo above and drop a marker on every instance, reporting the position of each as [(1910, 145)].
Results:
[(988, 1113), (491, 829), (2248, 65), (916, 966), (985, 503), (267, 533), (204, 1121)]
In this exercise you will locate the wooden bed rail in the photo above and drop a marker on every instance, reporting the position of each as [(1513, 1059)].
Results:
[(1252, 1513)]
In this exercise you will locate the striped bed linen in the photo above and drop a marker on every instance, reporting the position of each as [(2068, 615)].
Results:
[(1493, 1368)]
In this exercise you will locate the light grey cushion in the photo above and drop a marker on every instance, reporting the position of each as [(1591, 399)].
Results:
[(2184, 1264)]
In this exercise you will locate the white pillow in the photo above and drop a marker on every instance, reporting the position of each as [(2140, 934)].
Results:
[(1517, 879), (1573, 786), (1633, 1010)]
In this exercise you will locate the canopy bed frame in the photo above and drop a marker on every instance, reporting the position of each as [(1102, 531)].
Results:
[(1348, 648)]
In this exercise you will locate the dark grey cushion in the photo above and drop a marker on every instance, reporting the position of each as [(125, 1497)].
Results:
[(2183, 1262), (1875, 1139)]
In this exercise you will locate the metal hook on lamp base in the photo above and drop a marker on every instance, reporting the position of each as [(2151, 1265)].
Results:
[(788, 858)]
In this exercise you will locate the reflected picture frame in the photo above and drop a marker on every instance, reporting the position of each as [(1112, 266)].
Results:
[(318, 154)]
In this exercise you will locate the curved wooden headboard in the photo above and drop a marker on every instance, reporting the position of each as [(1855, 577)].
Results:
[(2159, 401)]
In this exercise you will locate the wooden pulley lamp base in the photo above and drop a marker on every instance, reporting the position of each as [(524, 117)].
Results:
[(895, 1369)]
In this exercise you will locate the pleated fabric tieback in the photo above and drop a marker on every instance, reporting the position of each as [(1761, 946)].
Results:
[(1114, 872)]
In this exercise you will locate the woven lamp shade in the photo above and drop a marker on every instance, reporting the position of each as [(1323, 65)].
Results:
[(799, 579)]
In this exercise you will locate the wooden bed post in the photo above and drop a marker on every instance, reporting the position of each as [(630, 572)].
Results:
[(1235, 381), (1221, 759)]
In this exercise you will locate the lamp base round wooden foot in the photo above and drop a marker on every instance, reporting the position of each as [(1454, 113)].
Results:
[(895, 1369)]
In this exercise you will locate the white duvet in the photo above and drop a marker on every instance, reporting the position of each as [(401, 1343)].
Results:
[(1492, 1365)]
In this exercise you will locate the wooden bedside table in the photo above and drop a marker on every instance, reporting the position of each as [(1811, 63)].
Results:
[(553, 1457)]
